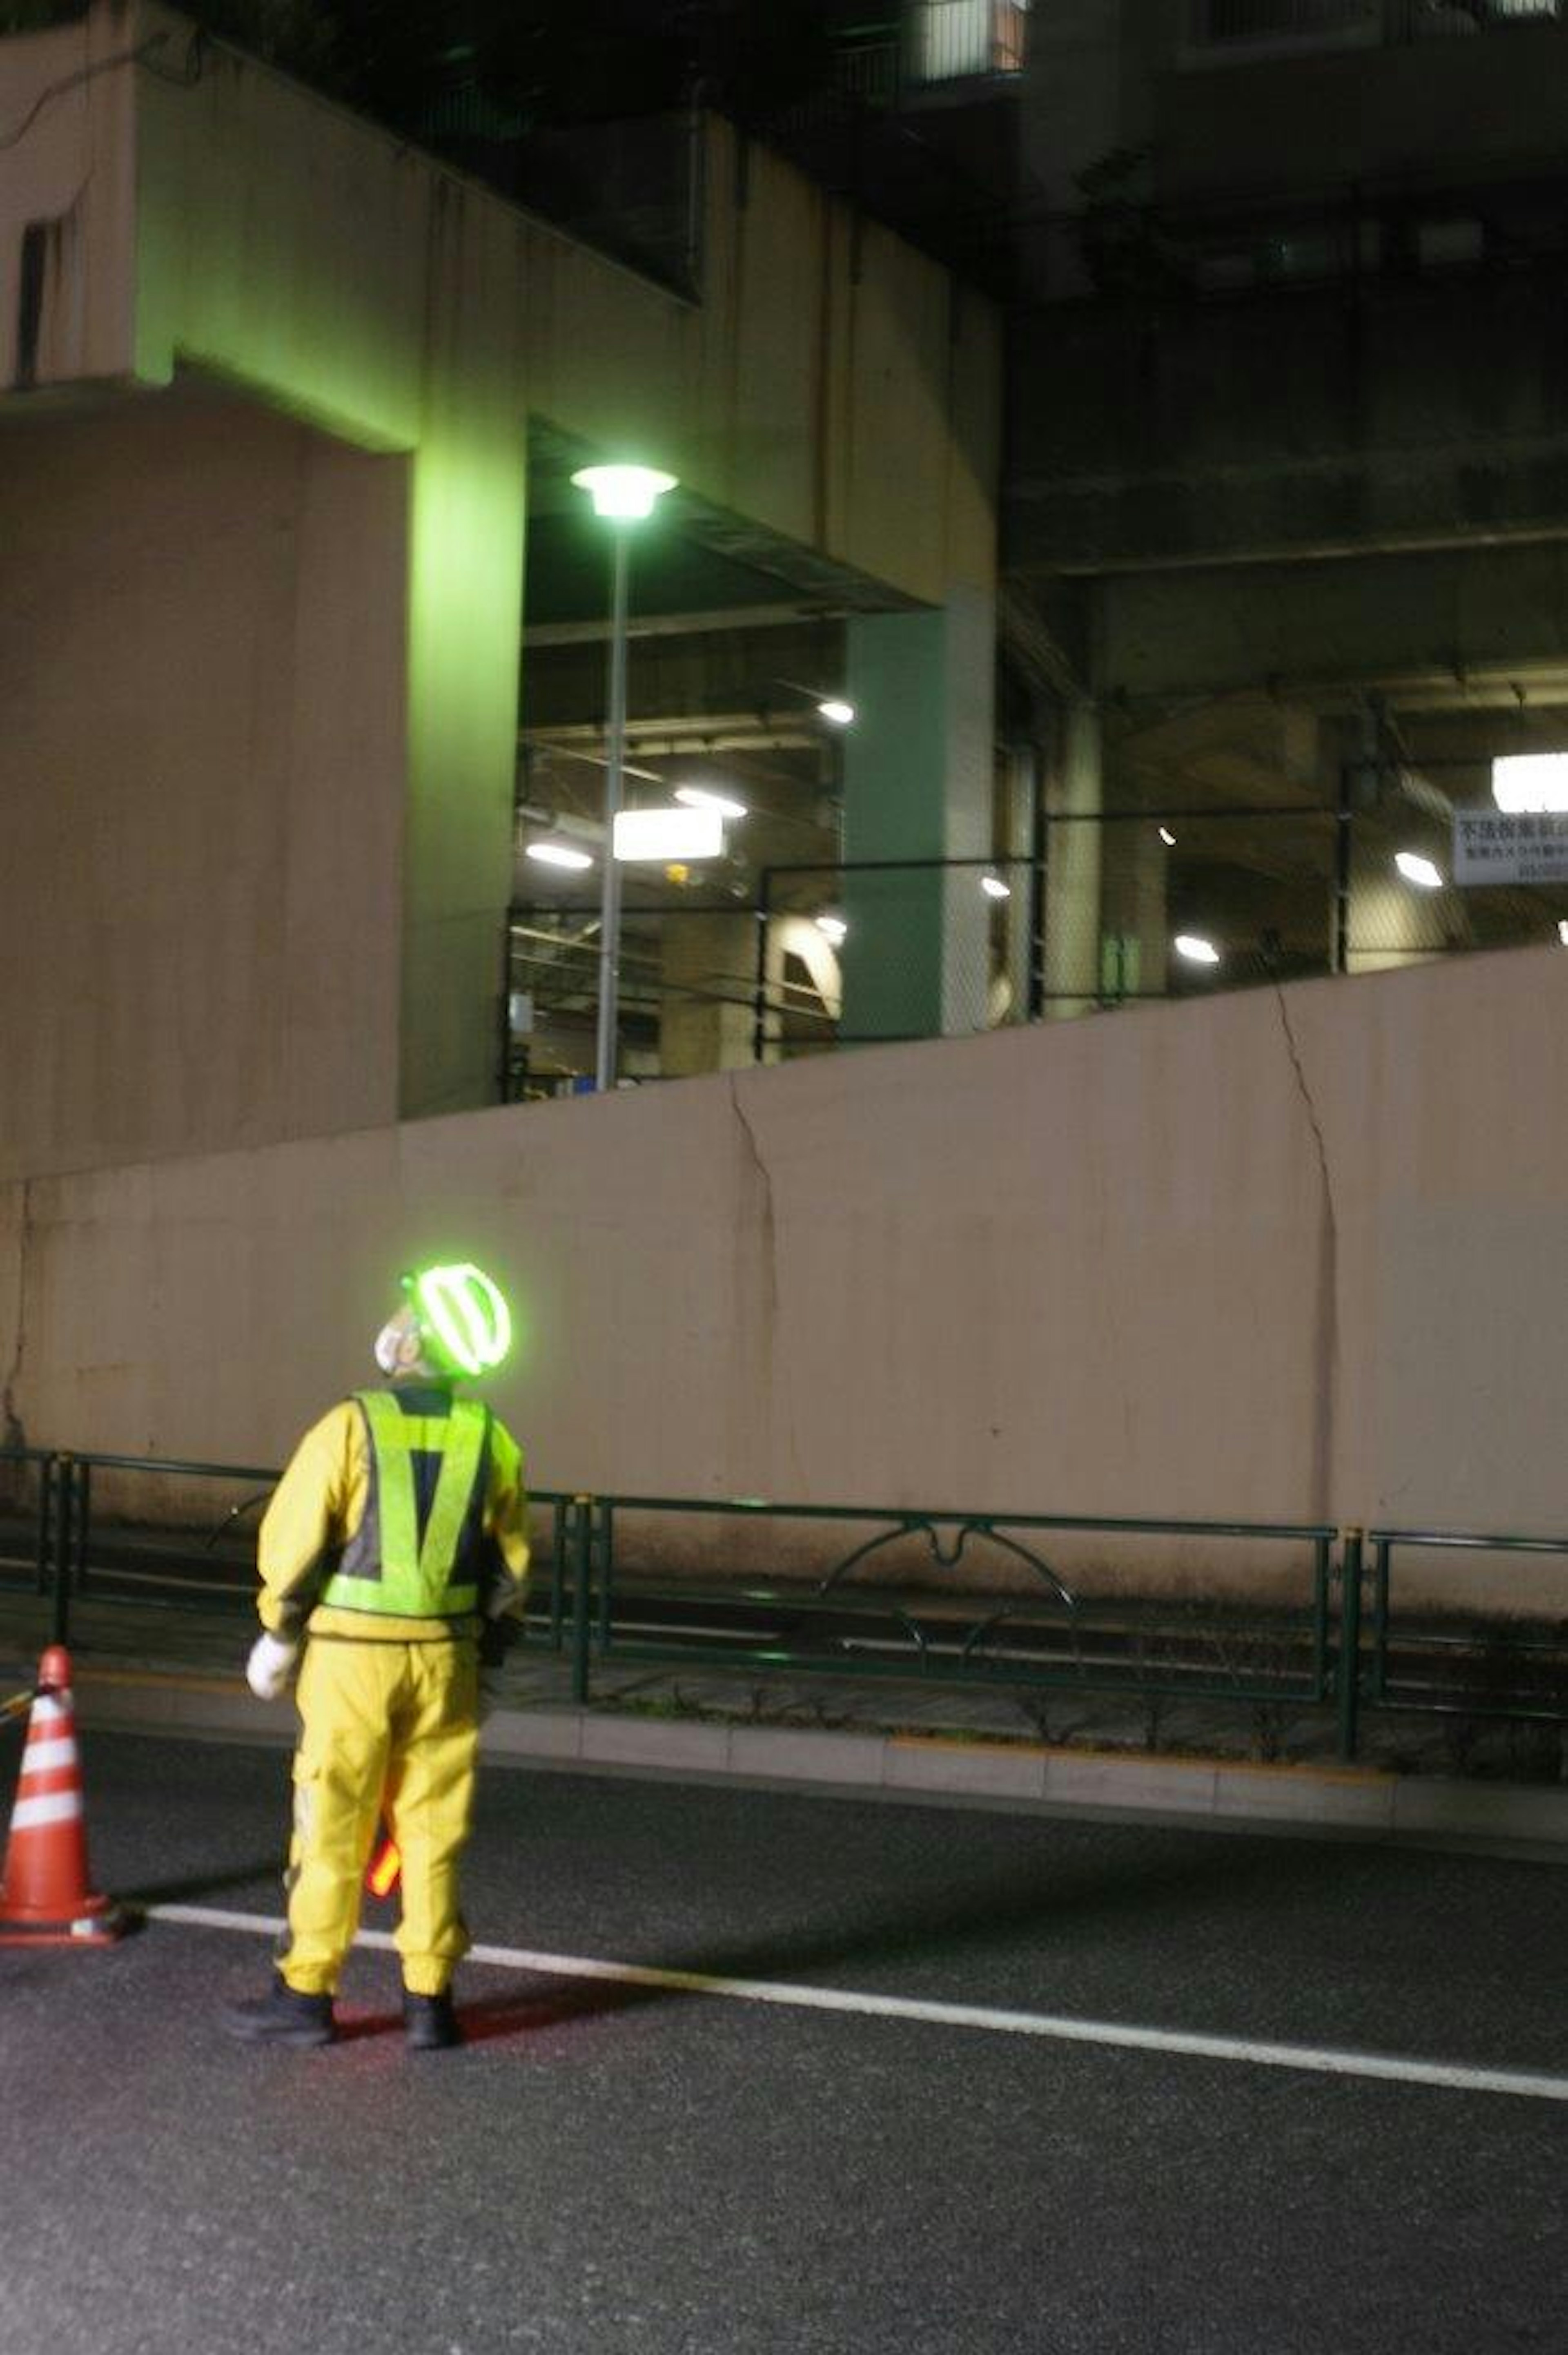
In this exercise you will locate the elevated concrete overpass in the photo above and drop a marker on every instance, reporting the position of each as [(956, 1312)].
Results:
[(263, 539)]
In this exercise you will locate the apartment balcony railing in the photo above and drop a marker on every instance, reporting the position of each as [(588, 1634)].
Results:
[(950, 40), (1238, 26)]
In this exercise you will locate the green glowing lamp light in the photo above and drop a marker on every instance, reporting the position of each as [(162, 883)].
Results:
[(625, 494), (467, 1314)]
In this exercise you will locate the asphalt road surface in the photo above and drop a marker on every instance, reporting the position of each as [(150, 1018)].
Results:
[(753, 2072)]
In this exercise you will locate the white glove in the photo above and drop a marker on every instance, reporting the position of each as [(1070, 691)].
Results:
[(270, 1671)]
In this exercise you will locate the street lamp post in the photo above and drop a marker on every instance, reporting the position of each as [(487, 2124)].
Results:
[(623, 495)]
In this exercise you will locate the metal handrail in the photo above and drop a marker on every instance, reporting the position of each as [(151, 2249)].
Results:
[(963, 1656), (62, 1567), (1375, 1675), (1314, 1654)]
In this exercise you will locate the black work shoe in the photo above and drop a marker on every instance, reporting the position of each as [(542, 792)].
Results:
[(282, 2017), (429, 2023)]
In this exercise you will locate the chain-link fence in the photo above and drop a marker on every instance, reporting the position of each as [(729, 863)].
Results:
[(687, 965), (1121, 906), (826, 955)]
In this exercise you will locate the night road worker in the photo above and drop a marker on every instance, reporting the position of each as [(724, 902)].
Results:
[(396, 1546)]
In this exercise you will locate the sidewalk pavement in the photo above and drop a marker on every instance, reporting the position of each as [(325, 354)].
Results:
[(168, 1671)]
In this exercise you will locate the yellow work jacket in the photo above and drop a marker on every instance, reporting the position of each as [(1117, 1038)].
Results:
[(320, 1504)]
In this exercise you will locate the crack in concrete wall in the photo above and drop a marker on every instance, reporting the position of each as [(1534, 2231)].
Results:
[(1326, 1318), (770, 1229)]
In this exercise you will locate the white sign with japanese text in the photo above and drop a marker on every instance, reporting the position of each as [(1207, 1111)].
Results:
[(1500, 847)]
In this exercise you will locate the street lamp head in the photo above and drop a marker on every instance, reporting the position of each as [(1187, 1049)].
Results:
[(624, 494)]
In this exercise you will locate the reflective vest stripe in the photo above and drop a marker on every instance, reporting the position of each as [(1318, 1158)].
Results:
[(415, 1576)]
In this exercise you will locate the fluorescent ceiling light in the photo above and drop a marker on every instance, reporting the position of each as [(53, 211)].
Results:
[(834, 708), (994, 887), (623, 493), (557, 854), (1195, 949), (1166, 838), (699, 797), (834, 928), (1416, 869), (662, 834), (1530, 781)]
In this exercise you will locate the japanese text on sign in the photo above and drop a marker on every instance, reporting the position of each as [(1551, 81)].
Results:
[(1499, 846)]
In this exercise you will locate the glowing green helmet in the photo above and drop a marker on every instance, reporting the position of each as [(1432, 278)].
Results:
[(454, 1321)]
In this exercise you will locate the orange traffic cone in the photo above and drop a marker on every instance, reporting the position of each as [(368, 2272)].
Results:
[(44, 1899)]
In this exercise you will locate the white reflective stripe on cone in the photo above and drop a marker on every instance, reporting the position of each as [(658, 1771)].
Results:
[(49, 1708), (57, 1807), (41, 1757)]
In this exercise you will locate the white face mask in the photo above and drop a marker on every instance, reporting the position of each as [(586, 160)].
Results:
[(400, 1347)]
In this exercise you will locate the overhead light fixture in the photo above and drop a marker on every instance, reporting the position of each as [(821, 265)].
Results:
[(994, 887), (625, 494), (661, 835), (1530, 781), (1419, 871), (836, 709), (1562, 930), (832, 928), (1166, 838), (1195, 949), (699, 797), (556, 854)]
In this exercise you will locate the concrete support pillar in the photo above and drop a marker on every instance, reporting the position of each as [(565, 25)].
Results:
[(1135, 955), (1073, 861), (465, 611), (707, 1001), (1016, 851), (918, 786)]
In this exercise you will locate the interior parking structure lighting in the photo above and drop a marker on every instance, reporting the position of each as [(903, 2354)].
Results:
[(662, 835), (699, 797), (1195, 949), (994, 887), (832, 928), (1418, 871), (1531, 781), (556, 854)]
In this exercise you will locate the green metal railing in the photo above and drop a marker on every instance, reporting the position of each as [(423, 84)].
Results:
[(64, 1545), (1449, 1664), (1340, 1641), (1062, 1640)]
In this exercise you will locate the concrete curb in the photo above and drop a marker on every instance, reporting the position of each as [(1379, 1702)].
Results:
[(913, 1767)]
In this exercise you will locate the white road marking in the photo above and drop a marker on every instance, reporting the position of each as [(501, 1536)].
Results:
[(1322, 2059)]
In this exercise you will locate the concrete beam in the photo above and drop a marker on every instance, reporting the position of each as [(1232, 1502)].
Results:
[(1352, 418), (1450, 620)]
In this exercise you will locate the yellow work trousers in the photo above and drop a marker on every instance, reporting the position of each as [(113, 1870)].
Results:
[(387, 1729)]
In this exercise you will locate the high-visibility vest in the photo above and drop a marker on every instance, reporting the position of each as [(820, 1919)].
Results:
[(388, 1565)]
